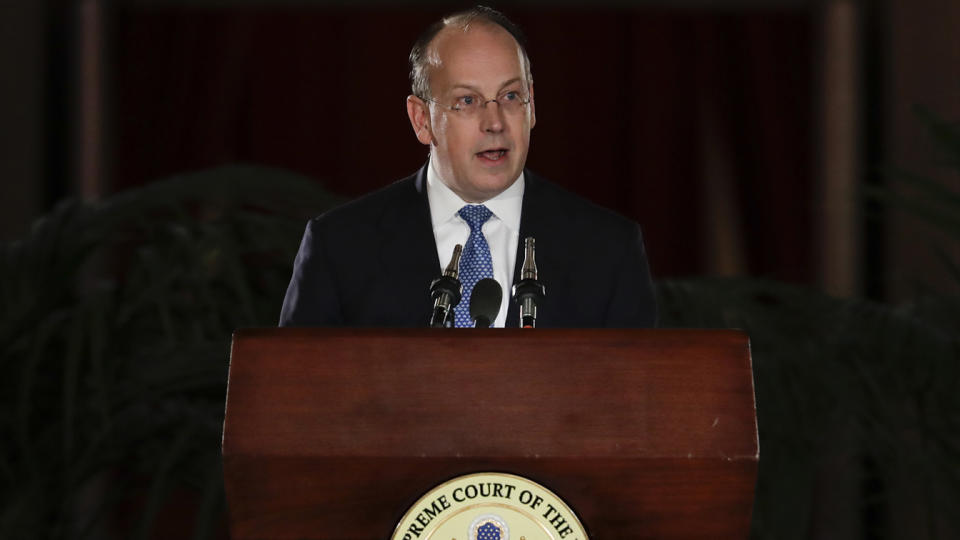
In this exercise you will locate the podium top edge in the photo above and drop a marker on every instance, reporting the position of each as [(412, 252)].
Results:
[(494, 333)]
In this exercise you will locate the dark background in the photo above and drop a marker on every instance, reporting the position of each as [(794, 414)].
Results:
[(623, 99), (738, 130), (742, 135)]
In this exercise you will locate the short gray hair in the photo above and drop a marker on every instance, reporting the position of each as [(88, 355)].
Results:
[(419, 63)]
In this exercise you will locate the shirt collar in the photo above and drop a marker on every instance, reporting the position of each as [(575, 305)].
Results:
[(445, 204)]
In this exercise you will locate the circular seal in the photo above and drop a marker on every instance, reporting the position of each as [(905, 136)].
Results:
[(489, 506)]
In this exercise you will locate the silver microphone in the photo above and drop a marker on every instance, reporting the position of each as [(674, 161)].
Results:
[(528, 292), (446, 292)]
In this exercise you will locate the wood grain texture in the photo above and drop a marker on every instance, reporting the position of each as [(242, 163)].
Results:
[(333, 433)]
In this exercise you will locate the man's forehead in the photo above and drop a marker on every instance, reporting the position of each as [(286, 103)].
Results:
[(475, 38)]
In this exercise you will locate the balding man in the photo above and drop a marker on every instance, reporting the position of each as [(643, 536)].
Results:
[(370, 262)]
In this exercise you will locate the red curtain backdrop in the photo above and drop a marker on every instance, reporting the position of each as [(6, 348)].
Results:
[(621, 96)]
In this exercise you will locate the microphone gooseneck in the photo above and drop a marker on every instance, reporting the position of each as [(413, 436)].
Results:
[(485, 302), (528, 292), (446, 292)]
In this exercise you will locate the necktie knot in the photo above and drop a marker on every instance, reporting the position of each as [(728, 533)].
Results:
[(475, 215)]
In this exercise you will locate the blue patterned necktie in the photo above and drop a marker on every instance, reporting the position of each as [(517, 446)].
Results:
[(475, 263)]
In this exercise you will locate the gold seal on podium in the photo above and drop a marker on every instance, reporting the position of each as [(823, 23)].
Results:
[(489, 506)]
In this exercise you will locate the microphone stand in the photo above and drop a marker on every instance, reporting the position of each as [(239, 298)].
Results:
[(528, 292), (446, 292)]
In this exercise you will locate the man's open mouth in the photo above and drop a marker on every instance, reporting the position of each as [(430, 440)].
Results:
[(493, 155)]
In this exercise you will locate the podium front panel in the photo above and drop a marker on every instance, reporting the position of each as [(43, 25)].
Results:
[(334, 433)]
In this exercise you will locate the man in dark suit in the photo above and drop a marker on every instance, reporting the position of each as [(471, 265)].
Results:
[(370, 262)]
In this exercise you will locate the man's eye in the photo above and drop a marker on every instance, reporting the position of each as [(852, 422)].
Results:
[(511, 96), (467, 101)]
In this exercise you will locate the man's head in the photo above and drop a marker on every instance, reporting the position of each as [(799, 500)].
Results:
[(460, 63)]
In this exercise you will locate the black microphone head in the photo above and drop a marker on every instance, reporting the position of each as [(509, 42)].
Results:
[(485, 302)]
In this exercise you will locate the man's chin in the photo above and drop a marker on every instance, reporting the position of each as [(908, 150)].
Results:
[(488, 186)]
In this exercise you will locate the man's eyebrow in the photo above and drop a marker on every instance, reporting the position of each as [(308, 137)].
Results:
[(466, 87), (476, 90), (508, 83)]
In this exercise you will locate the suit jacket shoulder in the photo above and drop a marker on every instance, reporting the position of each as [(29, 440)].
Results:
[(368, 262), (591, 259)]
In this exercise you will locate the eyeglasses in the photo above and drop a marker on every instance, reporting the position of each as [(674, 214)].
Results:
[(510, 102)]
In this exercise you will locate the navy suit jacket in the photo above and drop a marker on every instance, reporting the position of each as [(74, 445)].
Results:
[(371, 261)]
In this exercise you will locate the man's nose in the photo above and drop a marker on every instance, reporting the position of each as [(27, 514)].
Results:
[(491, 117)]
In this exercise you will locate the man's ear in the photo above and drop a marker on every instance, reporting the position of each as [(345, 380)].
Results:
[(533, 109), (419, 116)]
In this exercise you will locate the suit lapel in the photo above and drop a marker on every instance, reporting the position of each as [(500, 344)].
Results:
[(539, 220), (408, 249)]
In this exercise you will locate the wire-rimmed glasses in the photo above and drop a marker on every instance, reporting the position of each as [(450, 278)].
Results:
[(509, 101)]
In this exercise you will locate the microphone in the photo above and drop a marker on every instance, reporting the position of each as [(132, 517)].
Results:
[(528, 292), (446, 291), (485, 302)]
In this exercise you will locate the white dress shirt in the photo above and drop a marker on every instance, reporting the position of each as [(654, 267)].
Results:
[(502, 230)]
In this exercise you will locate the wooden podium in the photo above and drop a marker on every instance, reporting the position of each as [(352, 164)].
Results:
[(335, 433)]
